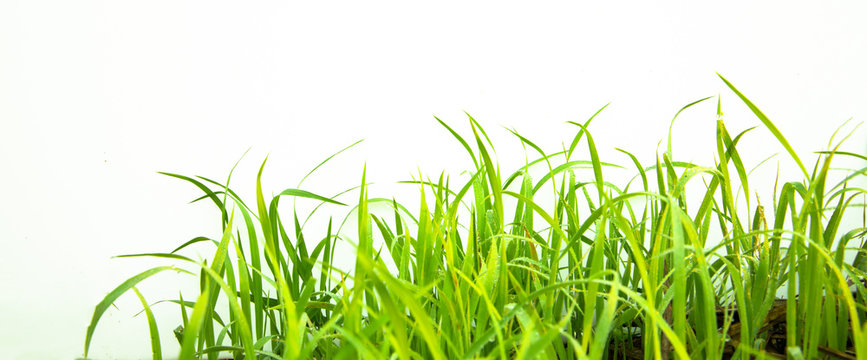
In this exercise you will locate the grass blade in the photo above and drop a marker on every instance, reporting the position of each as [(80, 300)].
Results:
[(113, 295), (152, 327), (770, 125)]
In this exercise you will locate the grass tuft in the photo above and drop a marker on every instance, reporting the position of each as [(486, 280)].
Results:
[(492, 267)]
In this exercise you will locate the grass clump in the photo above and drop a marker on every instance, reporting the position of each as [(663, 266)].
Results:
[(485, 269)]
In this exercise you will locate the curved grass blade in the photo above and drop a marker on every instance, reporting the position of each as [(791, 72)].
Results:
[(152, 327), (670, 126), (594, 158), (326, 160), (190, 242), (461, 140), (578, 136), (234, 196), (309, 195), (568, 166), (113, 295), (159, 255), (493, 178), (476, 124), (846, 153), (207, 190), (770, 125)]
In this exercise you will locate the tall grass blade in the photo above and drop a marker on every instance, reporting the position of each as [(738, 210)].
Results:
[(156, 349), (770, 125)]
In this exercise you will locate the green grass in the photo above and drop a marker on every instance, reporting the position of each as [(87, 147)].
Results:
[(493, 266)]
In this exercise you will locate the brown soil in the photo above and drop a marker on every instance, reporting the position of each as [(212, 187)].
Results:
[(774, 326)]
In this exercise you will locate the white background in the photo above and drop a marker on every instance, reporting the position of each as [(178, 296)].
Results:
[(95, 97)]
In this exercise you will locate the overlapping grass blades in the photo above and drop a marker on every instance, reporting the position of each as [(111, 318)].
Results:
[(590, 270)]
